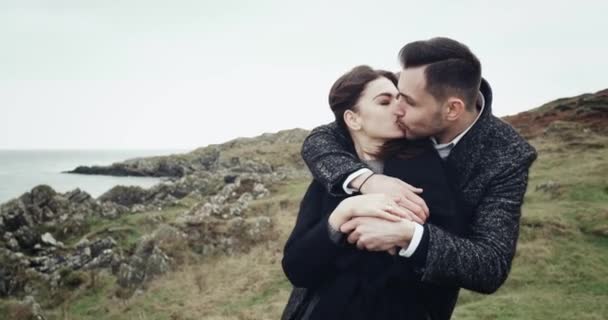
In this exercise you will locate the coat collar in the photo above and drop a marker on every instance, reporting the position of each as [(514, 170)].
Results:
[(466, 154)]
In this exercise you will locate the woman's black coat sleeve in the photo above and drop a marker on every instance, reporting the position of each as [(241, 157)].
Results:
[(310, 254)]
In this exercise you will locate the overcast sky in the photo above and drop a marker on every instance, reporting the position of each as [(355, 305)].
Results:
[(178, 74)]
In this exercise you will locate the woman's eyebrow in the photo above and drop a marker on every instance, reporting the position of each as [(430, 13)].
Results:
[(388, 94)]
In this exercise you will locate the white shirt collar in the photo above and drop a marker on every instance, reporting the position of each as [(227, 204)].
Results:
[(451, 144)]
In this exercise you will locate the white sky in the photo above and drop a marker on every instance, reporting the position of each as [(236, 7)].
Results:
[(179, 74)]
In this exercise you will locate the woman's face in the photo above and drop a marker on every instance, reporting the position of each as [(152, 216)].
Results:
[(377, 110)]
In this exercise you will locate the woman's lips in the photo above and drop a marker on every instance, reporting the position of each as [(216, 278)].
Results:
[(402, 126)]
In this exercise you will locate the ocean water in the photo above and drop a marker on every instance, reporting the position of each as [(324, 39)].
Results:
[(21, 170)]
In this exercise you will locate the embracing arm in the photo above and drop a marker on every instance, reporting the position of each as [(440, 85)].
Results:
[(481, 260), (328, 155)]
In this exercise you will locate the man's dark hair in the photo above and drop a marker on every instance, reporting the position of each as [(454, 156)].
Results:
[(452, 69)]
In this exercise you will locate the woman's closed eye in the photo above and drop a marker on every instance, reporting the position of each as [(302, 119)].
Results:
[(385, 99)]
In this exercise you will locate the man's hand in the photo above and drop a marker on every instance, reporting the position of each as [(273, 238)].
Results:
[(378, 235), (406, 195), (374, 205)]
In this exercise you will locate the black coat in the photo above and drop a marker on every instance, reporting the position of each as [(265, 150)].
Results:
[(358, 284)]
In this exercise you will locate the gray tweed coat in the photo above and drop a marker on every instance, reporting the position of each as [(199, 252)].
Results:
[(488, 170)]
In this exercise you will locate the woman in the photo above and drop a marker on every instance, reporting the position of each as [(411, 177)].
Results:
[(341, 281)]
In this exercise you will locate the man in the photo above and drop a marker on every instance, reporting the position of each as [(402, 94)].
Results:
[(486, 160)]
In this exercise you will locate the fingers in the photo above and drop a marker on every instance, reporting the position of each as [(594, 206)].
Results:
[(360, 245), (417, 219), (353, 237), (395, 208), (367, 244), (392, 251), (415, 203), (394, 213), (412, 188), (413, 209), (349, 226)]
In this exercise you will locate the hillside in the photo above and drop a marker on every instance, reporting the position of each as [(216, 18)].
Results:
[(208, 243)]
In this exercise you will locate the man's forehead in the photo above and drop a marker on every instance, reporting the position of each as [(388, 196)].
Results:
[(412, 80)]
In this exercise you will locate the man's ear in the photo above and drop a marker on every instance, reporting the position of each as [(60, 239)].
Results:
[(455, 107), (352, 120)]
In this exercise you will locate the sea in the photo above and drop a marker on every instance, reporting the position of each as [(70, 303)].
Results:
[(21, 170)]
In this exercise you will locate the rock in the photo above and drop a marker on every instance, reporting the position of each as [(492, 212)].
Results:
[(105, 259), (129, 275), (78, 196), (157, 262), (82, 243), (245, 198), (89, 254), (26, 237), (260, 191), (253, 167), (66, 214), (72, 226), (39, 196), (230, 178), (12, 273), (147, 262), (126, 195), (12, 244), (138, 208), (113, 210), (48, 239), (14, 215), (165, 166), (100, 245), (48, 264)]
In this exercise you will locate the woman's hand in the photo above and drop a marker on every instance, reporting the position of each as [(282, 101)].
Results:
[(408, 196), (375, 205)]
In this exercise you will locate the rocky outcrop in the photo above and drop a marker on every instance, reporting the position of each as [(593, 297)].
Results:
[(136, 199), (589, 111), (223, 223), (23, 221), (250, 155), (168, 166)]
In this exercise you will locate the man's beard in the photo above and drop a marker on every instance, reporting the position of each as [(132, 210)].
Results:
[(411, 135)]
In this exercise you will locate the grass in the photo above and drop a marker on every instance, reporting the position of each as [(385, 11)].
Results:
[(560, 270)]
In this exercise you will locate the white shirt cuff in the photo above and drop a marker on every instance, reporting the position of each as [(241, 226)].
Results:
[(352, 177), (411, 248)]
